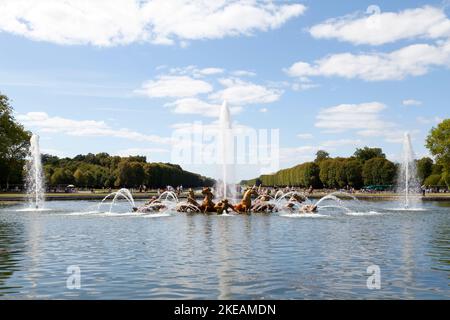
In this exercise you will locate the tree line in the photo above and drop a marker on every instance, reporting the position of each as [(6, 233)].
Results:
[(103, 170), (91, 170), (367, 166)]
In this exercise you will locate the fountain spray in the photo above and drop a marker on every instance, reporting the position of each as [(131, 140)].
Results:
[(34, 179), (225, 126), (408, 182)]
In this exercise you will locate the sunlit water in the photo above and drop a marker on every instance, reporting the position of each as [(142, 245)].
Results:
[(180, 256)]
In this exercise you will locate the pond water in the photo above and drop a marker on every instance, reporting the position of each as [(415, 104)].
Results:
[(179, 256)]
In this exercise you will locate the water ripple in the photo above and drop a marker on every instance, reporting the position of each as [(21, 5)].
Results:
[(175, 256)]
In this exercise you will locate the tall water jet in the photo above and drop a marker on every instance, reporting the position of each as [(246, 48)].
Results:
[(34, 179), (226, 152), (408, 179)]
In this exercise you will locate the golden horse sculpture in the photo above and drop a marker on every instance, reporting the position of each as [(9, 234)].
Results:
[(223, 206), (309, 208), (245, 205), (153, 205), (262, 204), (207, 205), (191, 204), (298, 199), (191, 198), (294, 200)]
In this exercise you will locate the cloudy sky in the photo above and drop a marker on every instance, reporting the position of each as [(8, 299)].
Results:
[(120, 75)]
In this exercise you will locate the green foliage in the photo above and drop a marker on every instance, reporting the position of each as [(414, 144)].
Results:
[(61, 176), (303, 175), (130, 173), (438, 142), (434, 180), (327, 173), (322, 155), (437, 169), (367, 153), (424, 168), (334, 172), (445, 180), (309, 175), (80, 178), (378, 171), (103, 170), (353, 171), (14, 142)]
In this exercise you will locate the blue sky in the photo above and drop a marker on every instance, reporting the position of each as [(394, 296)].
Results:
[(118, 78)]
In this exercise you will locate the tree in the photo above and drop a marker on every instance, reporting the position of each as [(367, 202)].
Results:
[(80, 178), (437, 169), (433, 180), (309, 175), (321, 155), (130, 174), (341, 174), (141, 159), (378, 171), (90, 179), (367, 153), (445, 178), (438, 142), (49, 159), (353, 171), (61, 176), (424, 168), (14, 143), (328, 173)]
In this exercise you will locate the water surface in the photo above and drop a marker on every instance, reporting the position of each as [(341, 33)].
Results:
[(179, 256)]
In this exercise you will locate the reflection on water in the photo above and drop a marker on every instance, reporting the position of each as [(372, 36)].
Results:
[(9, 247), (224, 257)]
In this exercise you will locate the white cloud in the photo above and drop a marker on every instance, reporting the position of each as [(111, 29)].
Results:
[(413, 60), (305, 136), (386, 27), (54, 152), (343, 117), (243, 73), (429, 120), (192, 86), (365, 118), (214, 126), (210, 71), (390, 134), (120, 22), (197, 106), (263, 110), (83, 128), (174, 86), (239, 92), (194, 71), (296, 155), (303, 86), (411, 102), (141, 152), (341, 142)]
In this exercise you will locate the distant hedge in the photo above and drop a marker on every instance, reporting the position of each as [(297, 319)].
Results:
[(368, 166), (102, 170)]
